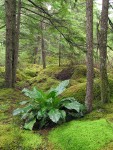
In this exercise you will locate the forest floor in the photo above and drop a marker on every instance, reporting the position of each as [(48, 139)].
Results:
[(92, 132)]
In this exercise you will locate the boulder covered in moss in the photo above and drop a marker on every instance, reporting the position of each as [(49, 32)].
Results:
[(80, 71), (78, 91)]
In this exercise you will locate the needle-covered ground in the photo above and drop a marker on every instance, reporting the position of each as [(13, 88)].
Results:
[(92, 132)]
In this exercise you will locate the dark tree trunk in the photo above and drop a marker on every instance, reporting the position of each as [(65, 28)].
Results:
[(16, 48), (14, 42), (60, 47), (89, 42), (35, 54), (103, 51), (43, 47), (8, 63)]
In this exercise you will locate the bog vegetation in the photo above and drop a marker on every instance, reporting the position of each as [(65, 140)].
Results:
[(56, 75)]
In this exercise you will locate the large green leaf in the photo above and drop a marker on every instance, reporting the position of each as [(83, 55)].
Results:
[(27, 108), (59, 89), (17, 111), (52, 94), (54, 115), (73, 105), (41, 113), (34, 94), (67, 100), (63, 114), (27, 92), (23, 102), (29, 125)]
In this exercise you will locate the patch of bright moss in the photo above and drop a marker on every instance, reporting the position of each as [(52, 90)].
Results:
[(8, 137), (30, 140), (82, 135), (13, 138), (77, 91)]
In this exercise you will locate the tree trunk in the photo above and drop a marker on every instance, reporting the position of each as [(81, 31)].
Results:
[(35, 54), (43, 47), (60, 47), (16, 45), (103, 51), (14, 40), (89, 42), (8, 63)]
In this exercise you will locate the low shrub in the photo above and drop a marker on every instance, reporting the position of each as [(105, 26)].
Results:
[(44, 108)]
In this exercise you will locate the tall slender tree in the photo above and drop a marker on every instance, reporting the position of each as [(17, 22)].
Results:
[(89, 56), (9, 42), (16, 40), (43, 46), (103, 51), (12, 40)]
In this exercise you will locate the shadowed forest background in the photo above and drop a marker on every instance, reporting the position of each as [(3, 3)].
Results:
[(56, 75)]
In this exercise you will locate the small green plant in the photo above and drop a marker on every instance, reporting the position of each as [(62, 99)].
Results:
[(44, 108)]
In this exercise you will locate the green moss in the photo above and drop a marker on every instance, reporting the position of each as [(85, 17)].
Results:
[(51, 71), (81, 71), (77, 91), (31, 72), (12, 138), (30, 140), (46, 83), (82, 135), (2, 71), (3, 116), (8, 137), (101, 111), (6, 94), (2, 82), (21, 76)]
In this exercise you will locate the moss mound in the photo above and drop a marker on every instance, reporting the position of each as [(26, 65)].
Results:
[(80, 71), (79, 91), (82, 135)]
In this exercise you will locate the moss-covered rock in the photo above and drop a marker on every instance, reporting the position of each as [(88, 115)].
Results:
[(80, 71), (79, 91)]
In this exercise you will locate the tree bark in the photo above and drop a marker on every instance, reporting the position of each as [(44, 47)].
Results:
[(43, 47), (89, 56), (14, 43), (60, 47), (103, 51), (8, 63)]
